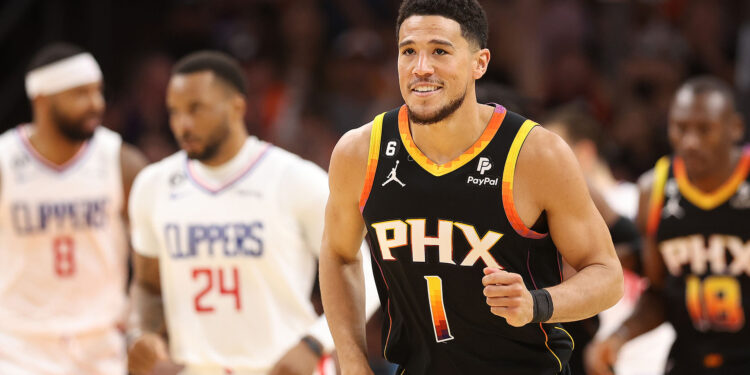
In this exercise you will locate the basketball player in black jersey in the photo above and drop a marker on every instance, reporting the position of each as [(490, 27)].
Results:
[(695, 212), (466, 206)]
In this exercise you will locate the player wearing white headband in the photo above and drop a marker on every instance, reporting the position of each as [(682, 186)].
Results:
[(64, 181)]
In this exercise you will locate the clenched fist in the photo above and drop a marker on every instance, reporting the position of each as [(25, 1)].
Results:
[(145, 353), (507, 296)]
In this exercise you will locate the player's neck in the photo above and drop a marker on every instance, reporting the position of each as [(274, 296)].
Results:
[(47, 140), (719, 175), (446, 140), (229, 149)]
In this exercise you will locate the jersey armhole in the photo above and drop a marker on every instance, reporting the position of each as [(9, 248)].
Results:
[(120, 178), (507, 187), (661, 172), (372, 159)]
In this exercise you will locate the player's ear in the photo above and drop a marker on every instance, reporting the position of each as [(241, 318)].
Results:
[(481, 63), (238, 106)]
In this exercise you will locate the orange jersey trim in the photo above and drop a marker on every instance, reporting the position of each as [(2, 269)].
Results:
[(442, 169), (372, 159), (709, 201), (508, 175), (661, 173)]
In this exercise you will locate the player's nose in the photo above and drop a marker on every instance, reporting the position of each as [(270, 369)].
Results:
[(691, 141), (423, 66), (181, 122), (96, 101)]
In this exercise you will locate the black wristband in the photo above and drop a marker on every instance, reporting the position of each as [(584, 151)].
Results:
[(542, 305), (314, 345)]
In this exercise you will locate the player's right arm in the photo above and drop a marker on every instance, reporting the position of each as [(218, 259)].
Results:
[(341, 276), (146, 330), (649, 311)]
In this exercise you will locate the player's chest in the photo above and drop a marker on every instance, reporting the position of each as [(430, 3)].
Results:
[(235, 223), (35, 203)]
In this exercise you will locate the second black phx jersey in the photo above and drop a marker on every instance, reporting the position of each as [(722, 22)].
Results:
[(433, 229), (705, 244)]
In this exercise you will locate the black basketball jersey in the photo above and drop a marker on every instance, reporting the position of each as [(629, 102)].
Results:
[(433, 229), (703, 239)]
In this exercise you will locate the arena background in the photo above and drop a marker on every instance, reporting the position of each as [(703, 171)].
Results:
[(317, 68)]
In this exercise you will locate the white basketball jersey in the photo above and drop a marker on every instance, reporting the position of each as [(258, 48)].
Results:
[(237, 267), (62, 242)]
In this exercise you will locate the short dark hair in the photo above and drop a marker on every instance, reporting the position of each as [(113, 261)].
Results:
[(468, 13), (53, 53), (706, 84), (579, 124), (224, 67)]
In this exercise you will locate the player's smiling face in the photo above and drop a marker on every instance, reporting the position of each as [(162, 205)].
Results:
[(436, 67)]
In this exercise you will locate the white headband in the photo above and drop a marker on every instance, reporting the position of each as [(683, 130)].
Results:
[(62, 75)]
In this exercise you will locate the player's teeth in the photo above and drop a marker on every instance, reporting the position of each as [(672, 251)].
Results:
[(426, 88)]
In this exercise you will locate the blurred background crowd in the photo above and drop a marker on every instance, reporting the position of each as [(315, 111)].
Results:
[(317, 68)]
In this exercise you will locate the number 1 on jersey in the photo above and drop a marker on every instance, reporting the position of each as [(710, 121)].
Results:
[(437, 309)]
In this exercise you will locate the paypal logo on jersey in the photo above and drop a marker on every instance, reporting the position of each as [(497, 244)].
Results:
[(228, 240), (484, 165)]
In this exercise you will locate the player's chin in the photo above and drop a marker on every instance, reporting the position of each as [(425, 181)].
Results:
[(193, 149), (697, 167), (423, 112), (194, 153)]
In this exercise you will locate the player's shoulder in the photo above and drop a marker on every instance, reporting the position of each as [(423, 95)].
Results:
[(153, 173), (354, 145), (107, 140), (279, 155), (131, 155), (646, 180), (9, 136), (293, 167), (105, 132), (545, 150), (349, 160)]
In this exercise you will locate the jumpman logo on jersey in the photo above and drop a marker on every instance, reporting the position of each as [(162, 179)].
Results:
[(392, 177), (741, 199), (673, 208)]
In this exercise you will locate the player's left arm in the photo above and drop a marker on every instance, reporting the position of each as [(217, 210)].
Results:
[(548, 179), (147, 345), (575, 225), (132, 161)]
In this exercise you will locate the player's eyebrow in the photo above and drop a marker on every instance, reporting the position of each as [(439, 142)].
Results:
[(441, 42), (433, 41)]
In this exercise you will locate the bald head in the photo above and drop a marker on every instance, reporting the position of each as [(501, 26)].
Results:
[(713, 93)]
